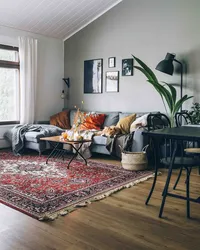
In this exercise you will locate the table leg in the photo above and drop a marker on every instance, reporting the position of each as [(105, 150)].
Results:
[(52, 152), (178, 178), (156, 150), (188, 171), (165, 191), (77, 153)]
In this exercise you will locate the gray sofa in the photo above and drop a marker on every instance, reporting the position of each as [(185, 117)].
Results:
[(32, 139)]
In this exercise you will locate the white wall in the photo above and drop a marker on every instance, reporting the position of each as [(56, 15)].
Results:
[(50, 72), (148, 29)]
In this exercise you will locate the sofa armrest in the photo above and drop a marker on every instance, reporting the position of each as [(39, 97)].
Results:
[(139, 141), (42, 122)]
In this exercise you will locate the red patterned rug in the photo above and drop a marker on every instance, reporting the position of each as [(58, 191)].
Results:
[(44, 191)]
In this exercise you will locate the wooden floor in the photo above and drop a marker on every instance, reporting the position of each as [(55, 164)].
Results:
[(119, 222)]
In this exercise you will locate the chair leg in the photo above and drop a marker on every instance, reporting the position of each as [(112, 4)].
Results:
[(179, 176), (189, 171), (165, 191), (188, 191), (157, 160), (152, 188)]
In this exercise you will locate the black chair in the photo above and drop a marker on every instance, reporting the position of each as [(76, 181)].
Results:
[(160, 121), (182, 118), (194, 152), (157, 121)]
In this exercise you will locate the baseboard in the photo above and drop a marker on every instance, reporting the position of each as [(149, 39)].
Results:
[(4, 143)]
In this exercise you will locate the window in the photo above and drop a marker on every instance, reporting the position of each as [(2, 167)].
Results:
[(9, 85)]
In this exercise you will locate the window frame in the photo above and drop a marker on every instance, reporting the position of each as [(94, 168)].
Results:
[(10, 65)]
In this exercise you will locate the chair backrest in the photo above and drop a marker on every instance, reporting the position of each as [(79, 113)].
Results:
[(157, 121), (182, 118)]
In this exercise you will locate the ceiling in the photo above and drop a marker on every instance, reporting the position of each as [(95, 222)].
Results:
[(54, 18)]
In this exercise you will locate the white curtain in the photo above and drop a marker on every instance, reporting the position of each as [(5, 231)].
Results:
[(28, 78)]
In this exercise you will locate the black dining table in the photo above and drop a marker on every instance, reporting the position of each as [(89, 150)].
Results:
[(175, 135)]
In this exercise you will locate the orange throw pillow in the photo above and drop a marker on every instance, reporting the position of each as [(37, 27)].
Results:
[(61, 119), (93, 121)]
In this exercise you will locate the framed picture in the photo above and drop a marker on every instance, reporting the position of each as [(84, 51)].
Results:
[(127, 67), (112, 81), (93, 76), (111, 62)]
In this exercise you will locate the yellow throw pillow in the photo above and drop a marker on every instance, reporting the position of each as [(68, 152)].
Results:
[(125, 123)]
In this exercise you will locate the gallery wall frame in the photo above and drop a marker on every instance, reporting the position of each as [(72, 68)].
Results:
[(111, 62), (127, 67), (112, 81), (93, 76)]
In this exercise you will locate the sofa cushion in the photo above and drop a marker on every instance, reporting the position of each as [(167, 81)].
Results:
[(98, 139), (124, 114), (72, 116), (33, 136), (112, 118), (138, 114)]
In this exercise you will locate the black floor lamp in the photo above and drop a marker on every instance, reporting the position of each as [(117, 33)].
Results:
[(166, 66)]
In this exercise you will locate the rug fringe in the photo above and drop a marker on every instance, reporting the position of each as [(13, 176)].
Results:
[(65, 211)]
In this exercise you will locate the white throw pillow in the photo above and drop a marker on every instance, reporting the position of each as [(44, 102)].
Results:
[(139, 122)]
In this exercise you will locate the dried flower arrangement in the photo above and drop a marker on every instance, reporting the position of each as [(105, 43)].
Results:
[(80, 117)]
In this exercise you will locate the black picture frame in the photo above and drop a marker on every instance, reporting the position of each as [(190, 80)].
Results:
[(111, 62), (112, 81), (127, 67), (93, 76)]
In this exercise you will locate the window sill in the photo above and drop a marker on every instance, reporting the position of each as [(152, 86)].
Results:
[(9, 123)]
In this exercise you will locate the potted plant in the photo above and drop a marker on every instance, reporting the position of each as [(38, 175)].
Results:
[(195, 113), (166, 91)]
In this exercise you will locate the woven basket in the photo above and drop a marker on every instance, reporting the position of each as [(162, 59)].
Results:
[(135, 160)]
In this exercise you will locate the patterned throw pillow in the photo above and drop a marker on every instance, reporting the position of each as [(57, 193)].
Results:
[(61, 119), (125, 123), (139, 122)]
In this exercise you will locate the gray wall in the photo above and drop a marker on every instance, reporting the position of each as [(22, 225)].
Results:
[(148, 29)]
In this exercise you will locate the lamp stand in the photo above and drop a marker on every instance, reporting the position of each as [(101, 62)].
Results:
[(181, 90)]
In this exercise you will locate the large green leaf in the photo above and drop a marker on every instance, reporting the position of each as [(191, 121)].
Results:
[(146, 68), (156, 86), (160, 92), (144, 72), (173, 92), (165, 93), (180, 102), (150, 79)]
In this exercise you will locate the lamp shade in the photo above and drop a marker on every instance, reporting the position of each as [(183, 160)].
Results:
[(166, 65)]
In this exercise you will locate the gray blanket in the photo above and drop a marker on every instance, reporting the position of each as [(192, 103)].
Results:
[(17, 134), (113, 143)]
